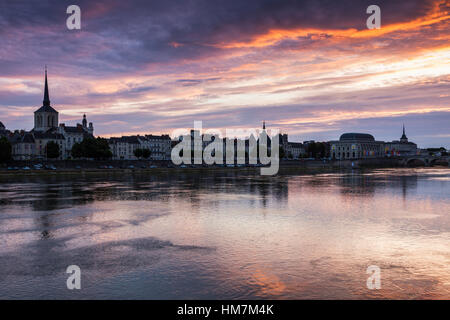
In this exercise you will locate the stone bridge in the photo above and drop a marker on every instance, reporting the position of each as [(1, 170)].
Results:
[(425, 160)]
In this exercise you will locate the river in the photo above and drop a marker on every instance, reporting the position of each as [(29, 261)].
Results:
[(227, 235)]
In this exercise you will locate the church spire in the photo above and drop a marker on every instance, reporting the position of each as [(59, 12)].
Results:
[(264, 125), (46, 101), (404, 138)]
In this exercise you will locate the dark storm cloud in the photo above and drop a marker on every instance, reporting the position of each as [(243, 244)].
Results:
[(151, 66), (118, 36)]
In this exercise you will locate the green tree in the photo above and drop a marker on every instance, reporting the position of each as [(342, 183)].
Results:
[(96, 148), (5, 150), (312, 149), (317, 149), (138, 153), (282, 153), (52, 150), (77, 150), (103, 150), (146, 153)]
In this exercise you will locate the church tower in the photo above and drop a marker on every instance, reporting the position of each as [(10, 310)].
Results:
[(84, 122), (403, 139), (45, 117)]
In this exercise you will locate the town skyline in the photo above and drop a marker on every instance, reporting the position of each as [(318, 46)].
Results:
[(47, 103), (312, 76)]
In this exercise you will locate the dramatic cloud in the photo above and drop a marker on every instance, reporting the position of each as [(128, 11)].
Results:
[(311, 67)]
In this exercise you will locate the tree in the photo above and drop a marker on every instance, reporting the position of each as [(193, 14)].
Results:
[(311, 149), (282, 153), (5, 150), (138, 153), (103, 151), (52, 150), (96, 148), (146, 153), (77, 150), (317, 149)]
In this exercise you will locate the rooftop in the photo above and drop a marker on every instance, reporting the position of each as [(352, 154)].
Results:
[(46, 109), (356, 137)]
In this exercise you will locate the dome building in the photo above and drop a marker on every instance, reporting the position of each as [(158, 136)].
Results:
[(356, 146)]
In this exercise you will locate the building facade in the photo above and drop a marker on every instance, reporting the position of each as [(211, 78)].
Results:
[(401, 147), (23, 146), (292, 150), (75, 134), (356, 146), (47, 129), (159, 146), (123, 148)]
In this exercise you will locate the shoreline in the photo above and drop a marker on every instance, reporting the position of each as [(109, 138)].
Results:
[(166, 167), (192, 170)]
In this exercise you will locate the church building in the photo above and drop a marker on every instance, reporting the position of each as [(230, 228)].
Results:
[(401, 148), (32, 145)]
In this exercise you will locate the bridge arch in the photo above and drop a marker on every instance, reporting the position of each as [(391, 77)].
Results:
[(439, 162), (416, 162)]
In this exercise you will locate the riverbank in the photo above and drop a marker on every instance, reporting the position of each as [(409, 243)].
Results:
[(177, 171), (78, 167)]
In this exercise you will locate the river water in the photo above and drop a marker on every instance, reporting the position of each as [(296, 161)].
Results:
[(227, 235)]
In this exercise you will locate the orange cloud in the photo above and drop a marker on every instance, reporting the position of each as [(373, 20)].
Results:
[(436, 15)]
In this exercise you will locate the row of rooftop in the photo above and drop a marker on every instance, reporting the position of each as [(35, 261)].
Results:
[(31, 144)]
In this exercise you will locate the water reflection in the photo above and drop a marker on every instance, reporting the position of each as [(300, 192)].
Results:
[(227, 235)]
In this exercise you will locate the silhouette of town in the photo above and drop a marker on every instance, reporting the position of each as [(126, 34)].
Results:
[(66, 142)]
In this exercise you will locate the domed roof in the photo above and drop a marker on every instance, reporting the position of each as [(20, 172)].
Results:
[(356, 136)]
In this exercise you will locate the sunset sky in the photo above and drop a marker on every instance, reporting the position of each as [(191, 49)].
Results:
[(310, 68)]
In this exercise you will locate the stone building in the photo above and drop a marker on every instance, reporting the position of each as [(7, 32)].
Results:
[(42, 138), (292, 150), (295, 150), (23, 146), (45, 118), (356, 146), (159, 146), (75, 134), (400, 147), (123, 148), (46, 129)]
